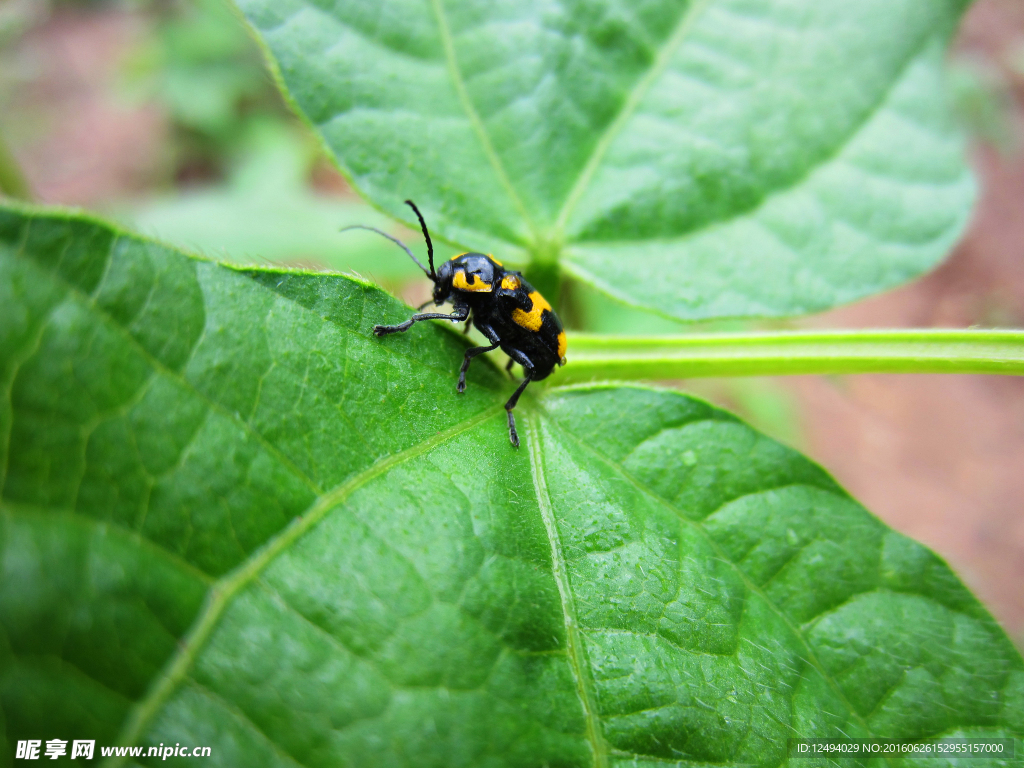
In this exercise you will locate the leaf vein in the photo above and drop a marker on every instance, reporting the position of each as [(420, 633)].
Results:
[(474, 118), (226, 588), (30, 350), (629, 106), (241, 715), (656, 636), (159, 366), (832, 155)]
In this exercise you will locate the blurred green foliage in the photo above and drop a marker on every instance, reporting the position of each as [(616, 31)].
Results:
[(206, 72), (243, 164), (265, 212)]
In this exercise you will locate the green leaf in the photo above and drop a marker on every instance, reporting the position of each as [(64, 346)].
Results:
[(700, 159), (231, 517)]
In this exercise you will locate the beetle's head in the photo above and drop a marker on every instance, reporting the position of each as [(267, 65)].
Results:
[(465, 273), (468, 273)]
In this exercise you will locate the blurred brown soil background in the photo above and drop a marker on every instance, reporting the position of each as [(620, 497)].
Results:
[(77, 140), (940, 458)]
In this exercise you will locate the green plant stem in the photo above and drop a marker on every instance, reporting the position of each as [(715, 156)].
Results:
[(12, 180), (782, 353)]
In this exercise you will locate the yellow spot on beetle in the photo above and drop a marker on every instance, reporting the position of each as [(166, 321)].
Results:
[(473, 283), (531, 320), (489, 256), (562, 344), (511, 282)]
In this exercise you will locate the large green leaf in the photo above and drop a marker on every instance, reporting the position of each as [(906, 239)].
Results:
[(232, 517), (699, 158)]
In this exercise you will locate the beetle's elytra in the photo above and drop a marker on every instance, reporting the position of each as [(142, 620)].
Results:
[(507, 310)]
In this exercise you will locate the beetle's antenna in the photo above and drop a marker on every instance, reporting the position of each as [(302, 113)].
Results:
[(426, 235), (397, 242)]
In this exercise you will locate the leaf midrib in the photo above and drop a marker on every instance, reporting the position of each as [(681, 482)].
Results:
[(573, 643), (227, 587)]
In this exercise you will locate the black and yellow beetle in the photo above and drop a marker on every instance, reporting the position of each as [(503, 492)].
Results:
[(500, 303)]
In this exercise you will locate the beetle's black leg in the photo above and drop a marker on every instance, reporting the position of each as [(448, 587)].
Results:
[(512, 434), (460, 314), (508, 368), (470, 354), (469, 324), (492, 336), (520, 357)]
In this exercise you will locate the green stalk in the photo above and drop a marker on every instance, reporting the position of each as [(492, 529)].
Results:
[(783, 353)]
